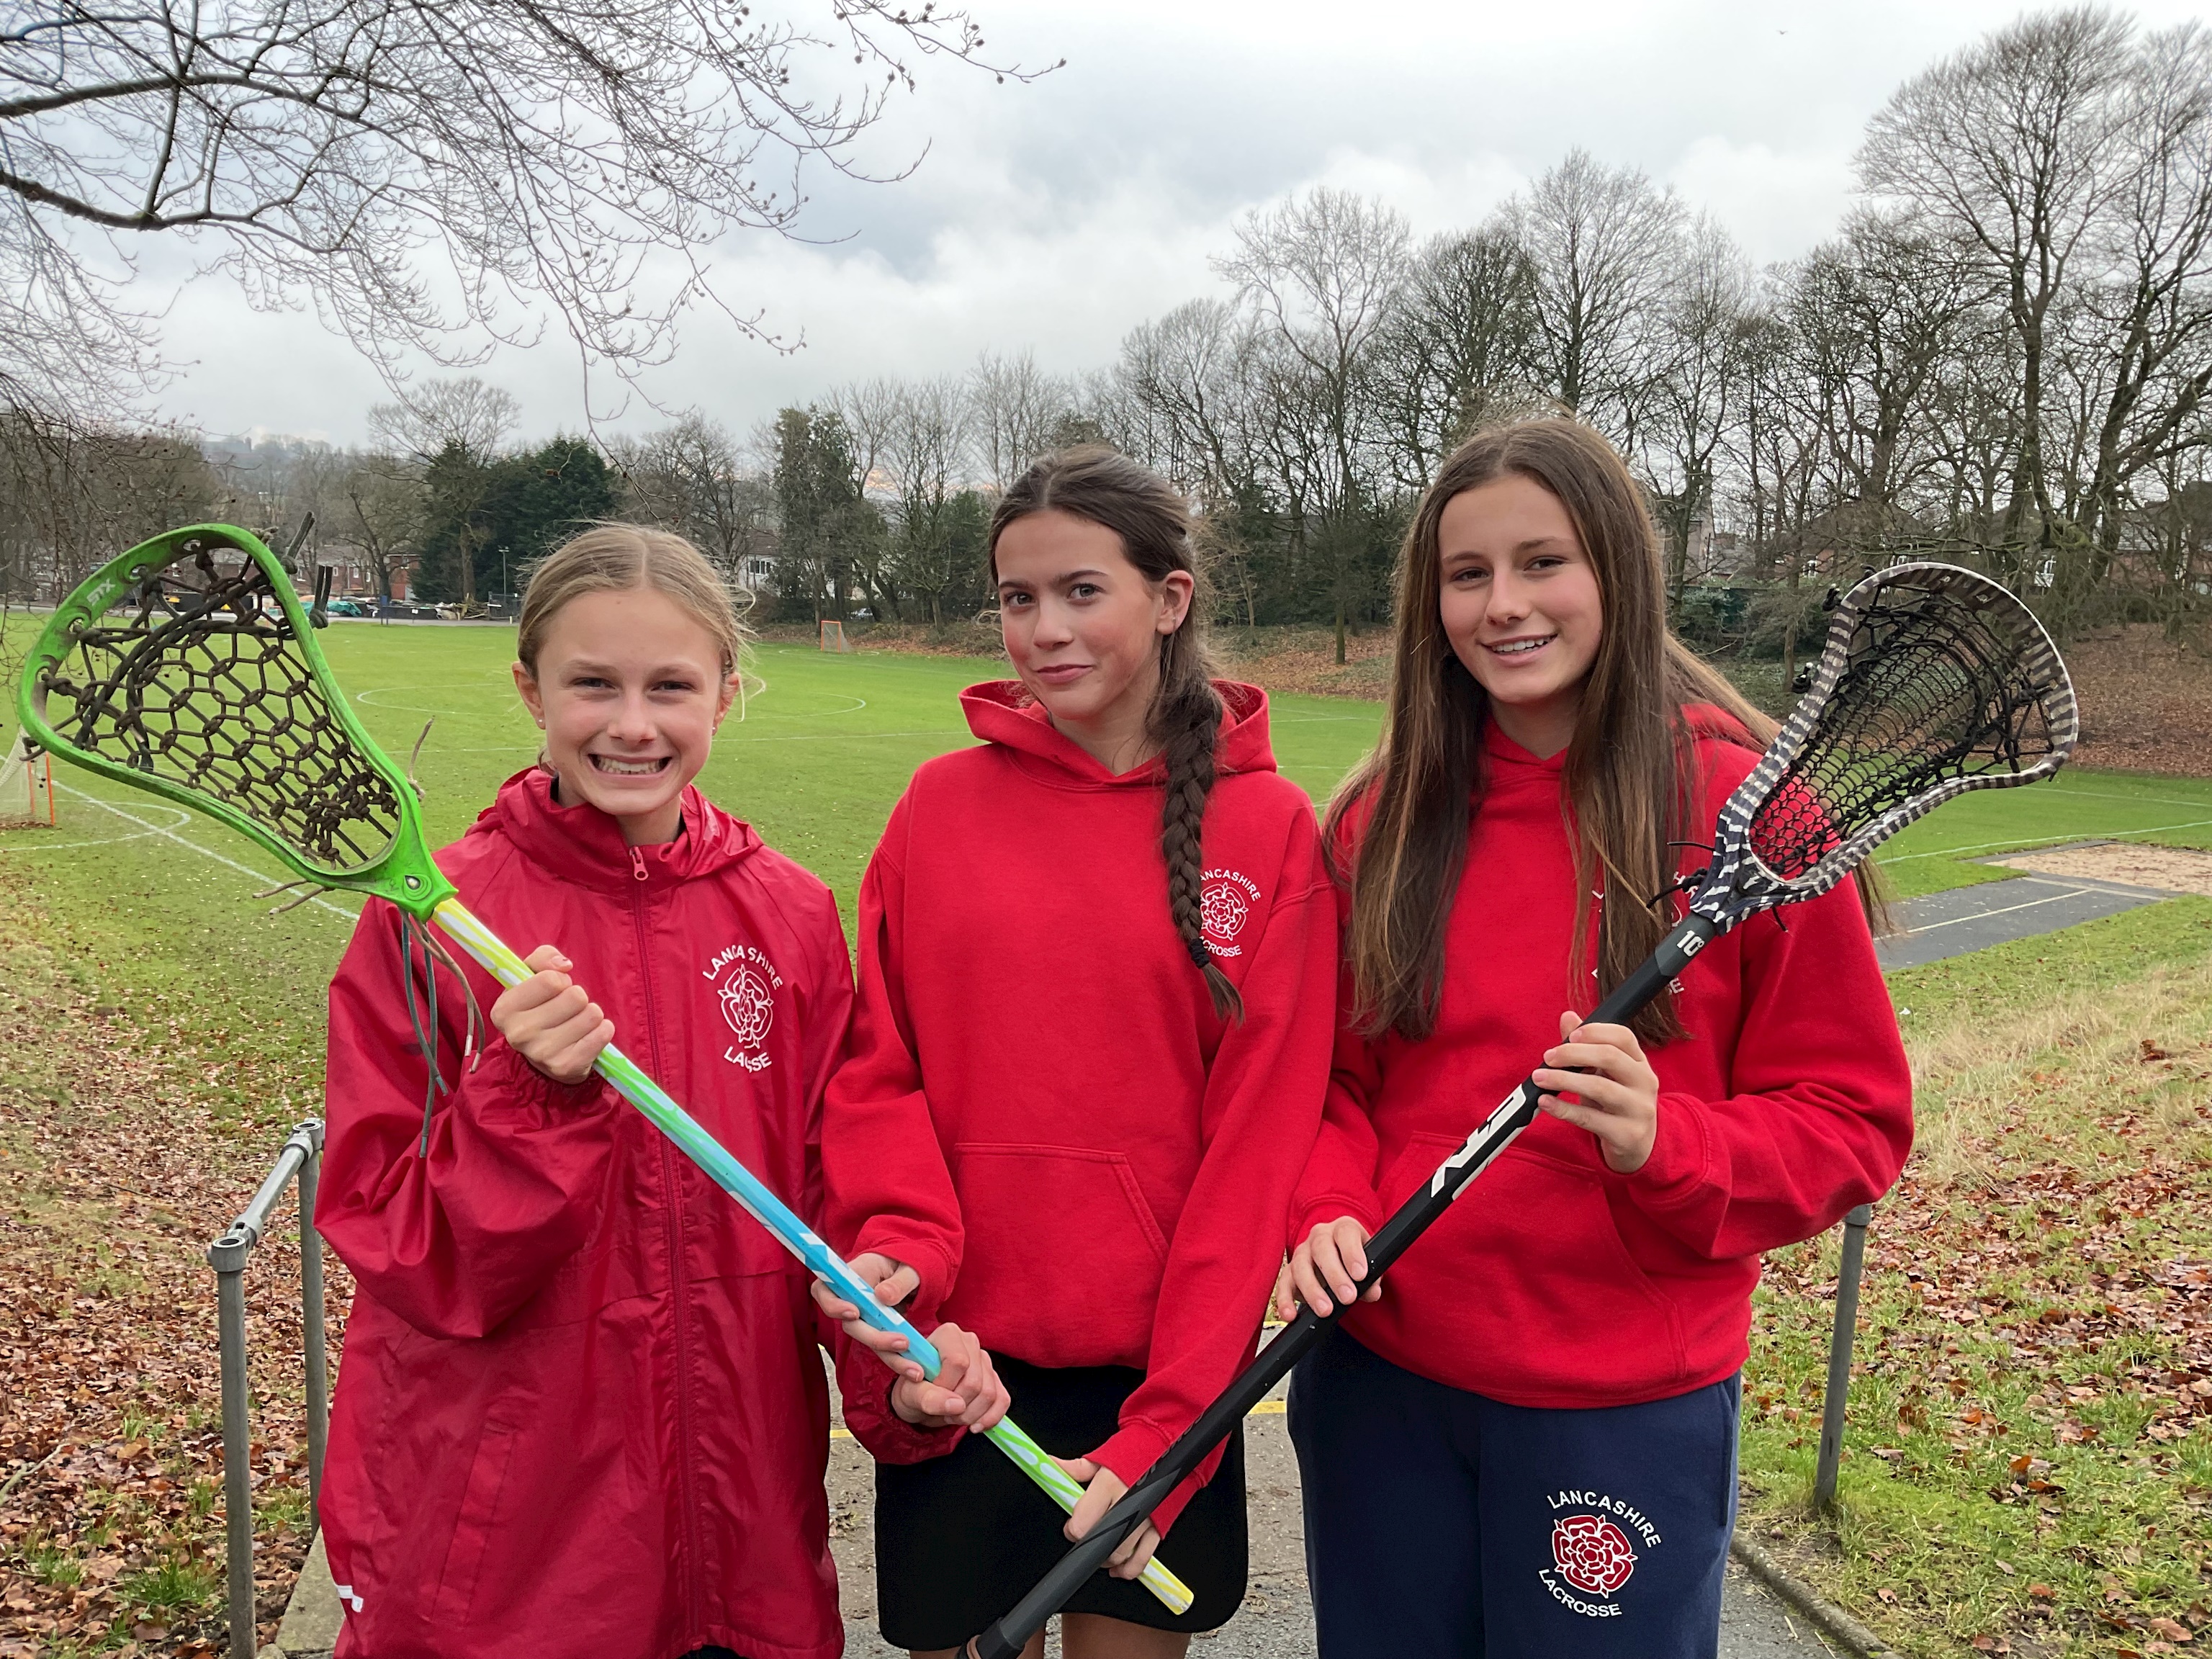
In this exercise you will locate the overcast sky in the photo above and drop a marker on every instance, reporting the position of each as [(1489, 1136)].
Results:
[(1055, 216)]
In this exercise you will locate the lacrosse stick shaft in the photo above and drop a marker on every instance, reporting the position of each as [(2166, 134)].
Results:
[(1005, 1639), (632, 1083)]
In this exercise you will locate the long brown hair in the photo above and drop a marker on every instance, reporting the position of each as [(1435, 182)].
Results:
[(1108, 490), (1631, 785)]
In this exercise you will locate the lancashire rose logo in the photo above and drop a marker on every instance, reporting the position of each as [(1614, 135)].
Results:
[(748, 1008), (745, 983), (1225, 900), (1592, 1553), (1223, 908)]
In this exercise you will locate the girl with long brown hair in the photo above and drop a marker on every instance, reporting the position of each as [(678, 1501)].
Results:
[(1522, 1441), (1097, 972)]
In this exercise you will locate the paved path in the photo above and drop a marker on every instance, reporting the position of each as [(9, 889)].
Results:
[(1950, 924)]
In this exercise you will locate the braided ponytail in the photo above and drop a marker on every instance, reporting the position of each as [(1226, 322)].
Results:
[(1110, 490)]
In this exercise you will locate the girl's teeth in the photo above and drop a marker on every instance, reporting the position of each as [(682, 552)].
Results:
[(626, 769)]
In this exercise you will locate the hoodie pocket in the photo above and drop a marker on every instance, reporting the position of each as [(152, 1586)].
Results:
[(1529, 1263), (1063, 1257)]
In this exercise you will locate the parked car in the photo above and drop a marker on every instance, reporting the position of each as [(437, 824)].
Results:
[(345, 607)]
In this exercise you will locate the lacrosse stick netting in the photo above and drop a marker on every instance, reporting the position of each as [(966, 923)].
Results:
[(1934, 680), (208, 689)]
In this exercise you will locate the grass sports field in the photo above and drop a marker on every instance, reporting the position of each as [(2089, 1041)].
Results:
[(825, 746), (2035, 1340)]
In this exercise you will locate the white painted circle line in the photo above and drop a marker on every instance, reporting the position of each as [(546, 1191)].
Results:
[(183, 818)]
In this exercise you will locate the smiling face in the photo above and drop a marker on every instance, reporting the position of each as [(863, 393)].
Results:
[(629, 689), (1519, 600), (1082, 627)]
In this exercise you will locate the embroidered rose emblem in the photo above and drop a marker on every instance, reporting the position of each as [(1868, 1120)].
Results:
[(747, 1006), (1223, 909), (1592, 1553)]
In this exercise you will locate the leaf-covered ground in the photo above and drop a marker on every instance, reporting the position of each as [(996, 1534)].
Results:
[(2029, 1456), (123, 1151)]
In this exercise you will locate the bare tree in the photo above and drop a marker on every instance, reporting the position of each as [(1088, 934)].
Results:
[(451, 429), (464, 414), (430, 172), (690, 478), (1601, 243), (1323, 274), (923, 462), (383, 517), (1014, 409), (1875, 318), (1703, 332), (2152, 317), (2012, 145), (1458, 351)]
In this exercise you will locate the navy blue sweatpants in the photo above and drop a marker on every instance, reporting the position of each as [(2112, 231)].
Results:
[(1442, 1523)]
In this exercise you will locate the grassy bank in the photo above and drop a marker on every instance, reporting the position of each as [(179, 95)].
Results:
[(2029, 1464)]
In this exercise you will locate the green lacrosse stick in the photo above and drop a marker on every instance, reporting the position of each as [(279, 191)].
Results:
[(208, 690)]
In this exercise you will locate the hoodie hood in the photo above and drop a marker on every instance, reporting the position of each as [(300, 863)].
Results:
[(582, 844), (1003, 712)]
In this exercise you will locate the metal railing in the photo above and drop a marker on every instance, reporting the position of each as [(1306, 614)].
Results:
[(302, 1160), (1840, 1340)]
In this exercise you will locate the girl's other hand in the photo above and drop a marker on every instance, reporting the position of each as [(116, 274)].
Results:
[(550, 1022), (968, 1392), (1330, 1260), (1103, 1489), (1601, 1081), (892, 1282)]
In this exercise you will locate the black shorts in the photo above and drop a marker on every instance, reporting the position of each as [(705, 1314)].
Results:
[(962, 1538)]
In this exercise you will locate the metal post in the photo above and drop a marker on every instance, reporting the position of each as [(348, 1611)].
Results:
[(301, 1159), (227, 1255), (310, 1300), (1840, 1356)]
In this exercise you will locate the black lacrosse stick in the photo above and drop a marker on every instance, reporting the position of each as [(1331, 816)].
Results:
[(1934, 680)]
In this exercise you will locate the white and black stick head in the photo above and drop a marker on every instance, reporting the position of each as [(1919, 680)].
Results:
[(1936, 680)]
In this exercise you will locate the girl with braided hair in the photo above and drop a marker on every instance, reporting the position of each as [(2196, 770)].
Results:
[(1097, 972)]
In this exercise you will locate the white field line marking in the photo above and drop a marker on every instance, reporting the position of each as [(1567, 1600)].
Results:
[(1983, 915), (182, 816), (2146, 800), (2045, 840), (850, 737), (205, 853)]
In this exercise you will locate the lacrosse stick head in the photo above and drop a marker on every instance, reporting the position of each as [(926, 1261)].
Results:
[(1936, 680), (187, 667)]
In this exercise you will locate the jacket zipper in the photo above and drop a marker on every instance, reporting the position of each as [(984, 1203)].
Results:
[(679, 1282)]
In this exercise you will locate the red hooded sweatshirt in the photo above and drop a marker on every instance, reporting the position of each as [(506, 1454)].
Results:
[(1042, 1115), (581, 1412), (1552, 1281)]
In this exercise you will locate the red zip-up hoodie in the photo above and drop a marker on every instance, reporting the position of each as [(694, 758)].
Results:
[(1042, 1115), (581, 1412), (1553, 1281)]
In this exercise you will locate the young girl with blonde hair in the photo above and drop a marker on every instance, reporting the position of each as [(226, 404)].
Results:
[(581, 1411)]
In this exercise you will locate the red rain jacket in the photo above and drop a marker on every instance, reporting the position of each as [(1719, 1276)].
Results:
[(1042, 1115), (1552, 1281), (581, 1411)]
